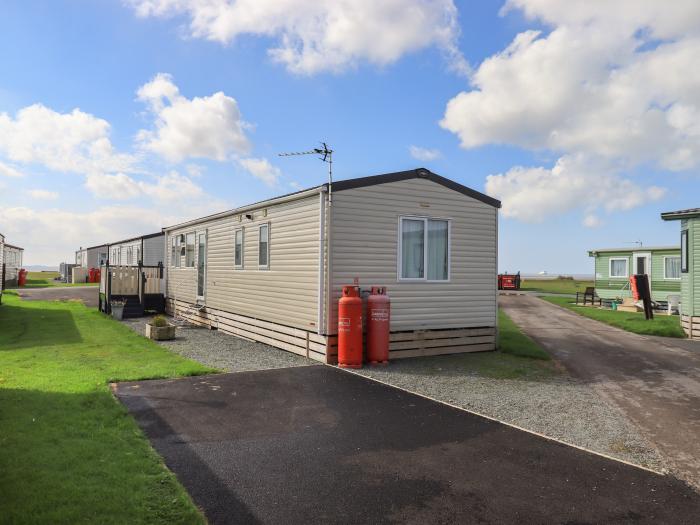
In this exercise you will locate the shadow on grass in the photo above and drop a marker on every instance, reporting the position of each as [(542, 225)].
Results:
[(74, 457), (29, 327)]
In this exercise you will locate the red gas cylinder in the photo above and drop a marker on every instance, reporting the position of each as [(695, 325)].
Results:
[(91, 275), (350, 328), (97, 275), (22, 277), (378, 320)]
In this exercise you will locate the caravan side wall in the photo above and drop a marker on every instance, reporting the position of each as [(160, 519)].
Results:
[(618, 287), (153, 251), (365, 245), (277, 305)]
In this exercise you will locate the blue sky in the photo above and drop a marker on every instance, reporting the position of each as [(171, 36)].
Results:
[(586, 137)]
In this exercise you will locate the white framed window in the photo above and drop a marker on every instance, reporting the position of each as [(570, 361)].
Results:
[(138, 255), (684, 251), (129, 255), (189, 250), (672, 267), (238, 240), (175, 251), (264, 247), (619, 267), (424, 249)]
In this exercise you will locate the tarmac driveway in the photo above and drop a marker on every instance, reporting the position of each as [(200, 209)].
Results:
[(654, 380), (319, 445), (89, 295)]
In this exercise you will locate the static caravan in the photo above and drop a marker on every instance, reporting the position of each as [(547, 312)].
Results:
[(12, 258), (147, 250), (273, 271), (690, 268), (92, 257), (613, 267)]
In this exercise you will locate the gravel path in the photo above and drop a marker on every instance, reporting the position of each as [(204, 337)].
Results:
[(555, 404), (223, 351)]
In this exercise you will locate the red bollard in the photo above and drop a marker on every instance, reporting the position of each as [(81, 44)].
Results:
[(350, 328)]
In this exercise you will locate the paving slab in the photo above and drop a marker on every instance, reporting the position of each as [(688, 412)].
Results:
[(655, 381), (319, 445)]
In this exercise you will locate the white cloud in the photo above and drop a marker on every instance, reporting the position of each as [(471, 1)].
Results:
[(164, 188), (69, 142), (323, 35), (532, 194), (9, 171), (424, 154), (262, 169), (613, 84), (171, 188), (592, 221), (118, 186), (52, 236), (587, 86), (205, 127), (45, 195)]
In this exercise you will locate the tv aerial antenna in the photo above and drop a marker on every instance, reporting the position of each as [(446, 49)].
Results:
[(326, 155), (638, 243)]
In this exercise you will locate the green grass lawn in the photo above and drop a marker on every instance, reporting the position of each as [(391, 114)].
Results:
[(69, 452), (46, 279), (511, 340), (663, 325), (569, 286)]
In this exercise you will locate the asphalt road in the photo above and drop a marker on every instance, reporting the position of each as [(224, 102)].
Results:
[(654, 380), (87, 294), (319, 445)]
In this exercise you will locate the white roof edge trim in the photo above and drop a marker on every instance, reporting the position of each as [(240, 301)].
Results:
[(261, 204)]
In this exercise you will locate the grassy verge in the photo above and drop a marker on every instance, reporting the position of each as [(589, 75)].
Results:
[(663, 325), (46, 280), (69, 452), (511, 340), (568, 286), (518, 357)]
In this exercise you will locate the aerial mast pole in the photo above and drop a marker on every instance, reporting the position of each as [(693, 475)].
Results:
[(326, 156)]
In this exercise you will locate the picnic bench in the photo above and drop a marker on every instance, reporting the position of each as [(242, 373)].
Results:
[(589, 294)]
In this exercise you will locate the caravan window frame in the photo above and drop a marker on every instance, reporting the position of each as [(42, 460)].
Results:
[(399, 256), (190, 253), (240, 264), (666, 277), (627, 267), (265, 266), (684, 251)]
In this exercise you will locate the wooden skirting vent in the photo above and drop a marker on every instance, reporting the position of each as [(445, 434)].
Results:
[(295, 340), (691, 326), (432, 342), (325, 349)]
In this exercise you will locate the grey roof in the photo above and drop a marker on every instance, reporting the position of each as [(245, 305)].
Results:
[(680, 214), (13, 246), (372, 180), (148, 236), (635, 249)]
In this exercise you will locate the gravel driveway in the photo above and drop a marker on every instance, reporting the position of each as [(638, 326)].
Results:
[(225, 352), (555, 405), (654, 381)]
